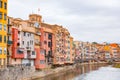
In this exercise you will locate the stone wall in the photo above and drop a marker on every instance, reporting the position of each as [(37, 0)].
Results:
[(16, 73)]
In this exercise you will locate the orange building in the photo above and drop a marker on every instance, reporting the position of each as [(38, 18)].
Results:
[(72, 53)]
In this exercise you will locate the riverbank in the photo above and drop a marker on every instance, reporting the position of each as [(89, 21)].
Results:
[(59, 70)]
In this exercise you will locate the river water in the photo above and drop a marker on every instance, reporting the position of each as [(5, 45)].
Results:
[(103, 73), (88, 72)]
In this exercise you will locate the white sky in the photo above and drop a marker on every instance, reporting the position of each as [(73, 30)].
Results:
[(87, 20)]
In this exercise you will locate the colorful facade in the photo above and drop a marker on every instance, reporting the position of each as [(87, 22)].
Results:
[(34, 43), (3, 33), (72, 53), (25, 41), (48, 43), (40, 59)]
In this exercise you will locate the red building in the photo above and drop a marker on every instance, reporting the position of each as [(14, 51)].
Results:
[(40, 58), (16, 51)]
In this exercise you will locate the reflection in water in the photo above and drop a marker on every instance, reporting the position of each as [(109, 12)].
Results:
[(70, 75), (103, 73)]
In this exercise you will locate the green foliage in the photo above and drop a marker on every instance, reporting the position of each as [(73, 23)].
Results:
[(117, 65)]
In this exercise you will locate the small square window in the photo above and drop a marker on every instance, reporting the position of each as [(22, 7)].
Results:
[(4, 39), (0, 15), (5, 51), (5, 5), (0, 38), (23, 42), (24, 33), (5, 16), (0, 4), (0, 50)]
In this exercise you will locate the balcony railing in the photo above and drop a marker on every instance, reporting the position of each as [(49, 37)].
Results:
[(37, 42), (32, 55), (20, 51), (38, 33), (28, 48)]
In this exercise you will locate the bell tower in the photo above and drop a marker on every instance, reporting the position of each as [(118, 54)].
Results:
[(35, 18)]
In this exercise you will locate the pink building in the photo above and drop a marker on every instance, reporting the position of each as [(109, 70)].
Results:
[(48, 42)]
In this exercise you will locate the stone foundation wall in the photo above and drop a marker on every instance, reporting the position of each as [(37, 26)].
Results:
[(16, 73)]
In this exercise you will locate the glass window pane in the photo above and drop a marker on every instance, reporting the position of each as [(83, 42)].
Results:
[(5, 27), (0, 4), (5, 5), (5, 16), (5, 51), (0, 50), (0, 26), (0, 15), (0, 38), (4, 39)]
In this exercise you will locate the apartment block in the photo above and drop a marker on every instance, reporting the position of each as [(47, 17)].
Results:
[(49, 44)]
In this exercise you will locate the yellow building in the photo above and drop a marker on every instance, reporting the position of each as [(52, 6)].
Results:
[(3, 33)]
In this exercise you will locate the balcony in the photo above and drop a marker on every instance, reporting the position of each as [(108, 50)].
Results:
[(38, 33), (37, 27), (9, 42), (28, 48), (37, 42), (20, 51), (32, 55)]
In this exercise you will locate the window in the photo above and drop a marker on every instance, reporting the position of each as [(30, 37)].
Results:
[(49, 36), (19, 51), (49, 53), (0, 26), (0, 38), (45, 52), (49, 44), (15, 59), (5, 28), (0, 4), (4, 39), (24, 33), (33, 52), (42, 51), (5, 51), (8, 38), (45, 42), (42, 62), (23, 42), (28, 44), (32, 42), (18, 32), (28, 34), (0, 15), (5, 5), (0, 61), (0, 50), (5, 16)]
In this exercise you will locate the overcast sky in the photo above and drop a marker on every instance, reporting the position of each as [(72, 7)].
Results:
[(87, 20)]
